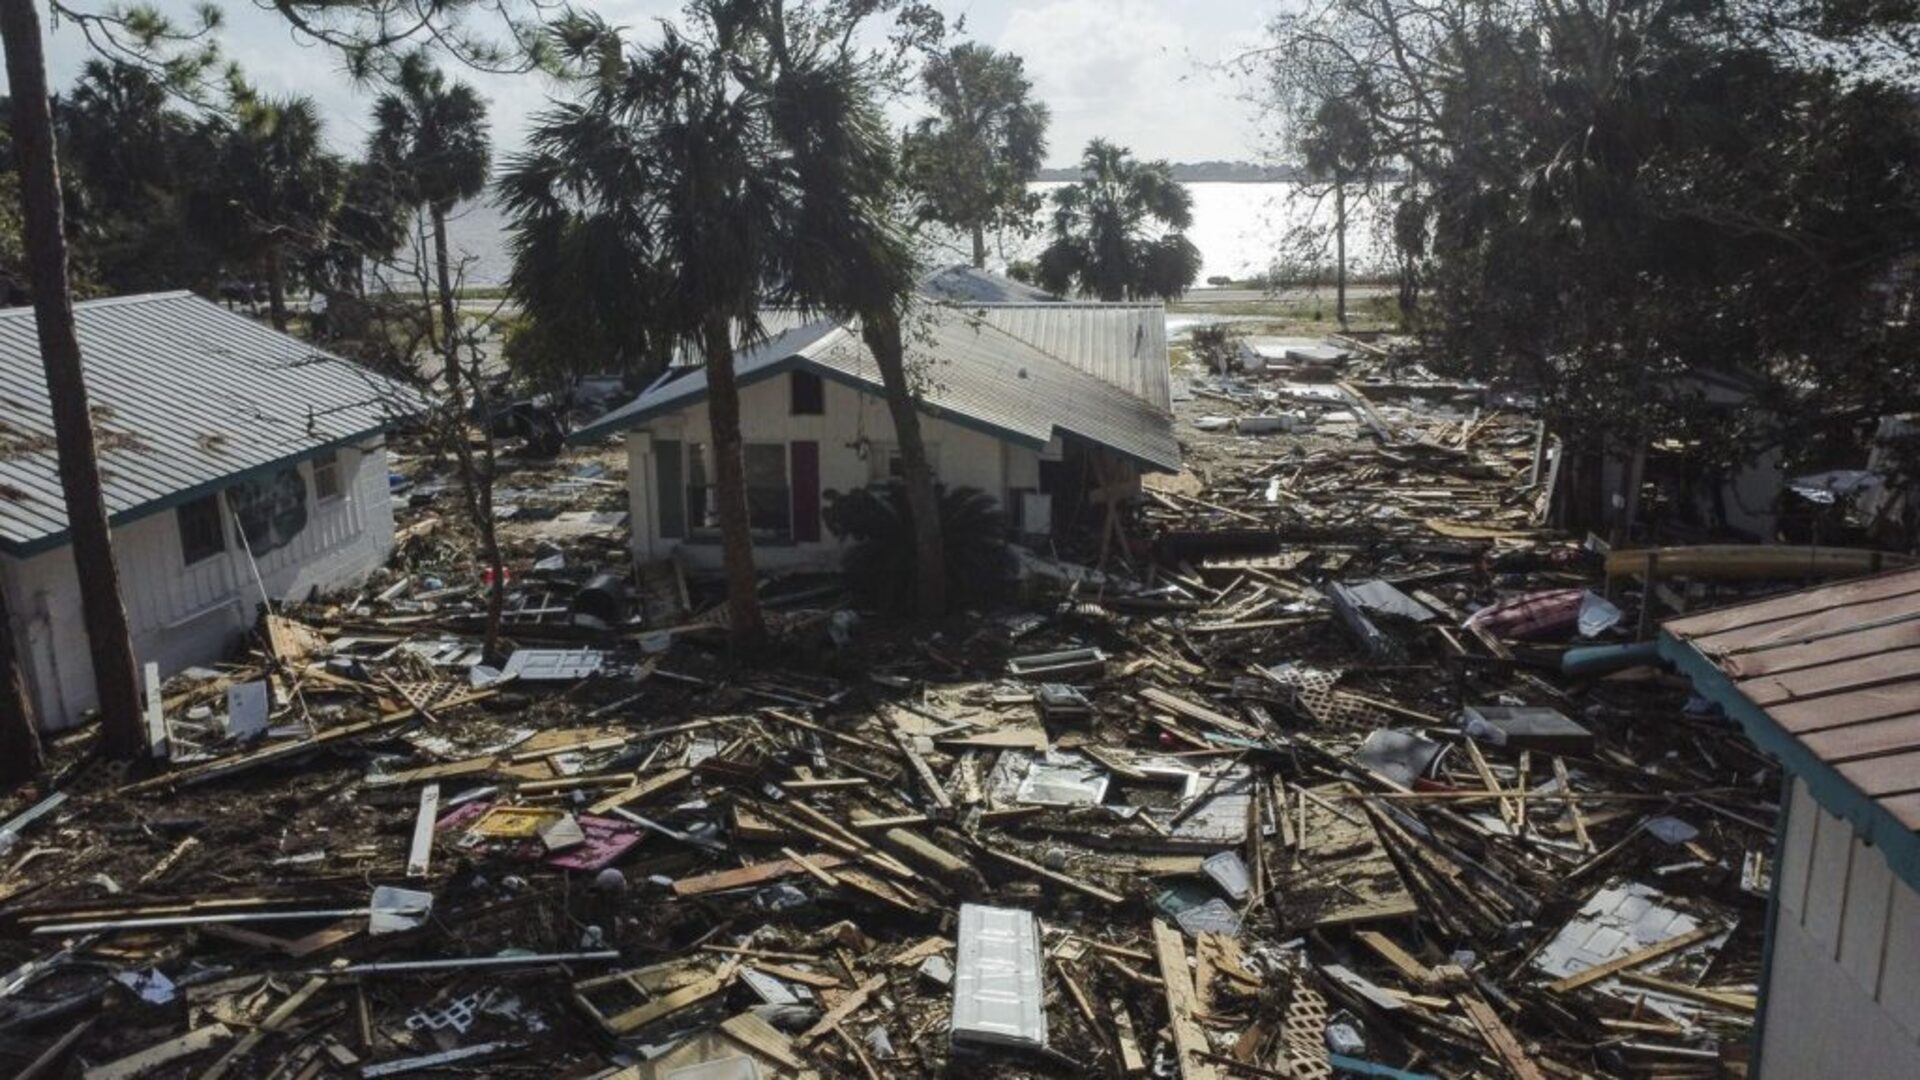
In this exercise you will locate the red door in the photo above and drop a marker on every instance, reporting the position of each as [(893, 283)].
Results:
[(804, 467)]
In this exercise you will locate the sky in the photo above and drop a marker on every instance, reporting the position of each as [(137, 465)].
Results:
[(1147, 74)]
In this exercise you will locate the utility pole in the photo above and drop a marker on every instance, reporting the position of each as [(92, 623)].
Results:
[(109, 643)]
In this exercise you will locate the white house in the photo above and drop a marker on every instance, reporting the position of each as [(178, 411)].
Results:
[(1043, 405), (1827, 681), (233, 459)]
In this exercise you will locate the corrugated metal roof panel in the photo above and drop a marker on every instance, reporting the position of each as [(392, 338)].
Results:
[(184, 393), (972, 371), (1124, 344)]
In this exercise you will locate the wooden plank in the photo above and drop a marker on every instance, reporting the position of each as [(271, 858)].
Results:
[(666, 1005), (1820, 598), (1401, 960), (1086, 888), (1904, 808), (1725, 999), (1499, 1039), (1193, 711), (1189, 1041), (1633, 959), (1797, 651), (1872, 703), (421, 852), (275, 1020), (1132, 1061), (930, 784), (1838, 678), (852, 1003), (652, 785), (749, 876), (1573, 805), (763, 1038), (1895, 774), (815, 872), (1871, 739), (153, 1057)]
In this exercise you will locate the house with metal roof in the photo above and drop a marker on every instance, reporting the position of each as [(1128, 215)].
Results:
[(237, 463), (1047, 407), (1827, 680)]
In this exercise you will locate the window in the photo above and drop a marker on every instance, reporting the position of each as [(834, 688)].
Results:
[(326, 476), (886, 466), (201, 535), (769, 501), (808, 392)]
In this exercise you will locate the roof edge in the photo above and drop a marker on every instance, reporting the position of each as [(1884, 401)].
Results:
[(1899, 845)]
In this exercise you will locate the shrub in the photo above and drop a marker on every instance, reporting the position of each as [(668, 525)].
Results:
[(881, 563)]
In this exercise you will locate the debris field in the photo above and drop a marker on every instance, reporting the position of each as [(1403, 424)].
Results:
[(1337, 762)]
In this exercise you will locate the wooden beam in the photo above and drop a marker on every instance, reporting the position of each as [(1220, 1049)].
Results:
[(1633, 959), (1189, 1041)]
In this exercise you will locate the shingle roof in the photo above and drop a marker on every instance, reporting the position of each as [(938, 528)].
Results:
[(973, 372), (185, 395), (1828, 680)]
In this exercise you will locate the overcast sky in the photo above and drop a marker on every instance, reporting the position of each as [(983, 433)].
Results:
[(1144, 73)]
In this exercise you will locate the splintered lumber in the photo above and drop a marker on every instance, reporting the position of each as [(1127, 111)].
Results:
[(1086, 888), (275, 1020), (919, 849), (1402, 961), (1180, 706), (929, 783), (1132, 1061), (852, 1003), (292, 748), (749, 876), (656, 1008), (763, 1038), (815, 872), (1189, 1041), (1633, 959), (1344, 871), (153, 1057), (652, 785), (1725, 999), (1498, 1037)]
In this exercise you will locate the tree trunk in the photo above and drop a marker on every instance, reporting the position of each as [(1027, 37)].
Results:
[(730, 486), (979, 248), (883, 337), (115, 673), (476, 479), (449, 314), (1340, 252), (19, 731), (277, 288)]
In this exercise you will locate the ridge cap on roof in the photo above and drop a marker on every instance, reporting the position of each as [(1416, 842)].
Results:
[(112, 301)]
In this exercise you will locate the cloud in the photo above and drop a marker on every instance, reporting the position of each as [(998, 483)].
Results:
[(1132, 71)]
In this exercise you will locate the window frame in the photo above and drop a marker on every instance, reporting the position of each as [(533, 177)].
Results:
[(329, 460), (698, 529), (186, 532), (815, 395)]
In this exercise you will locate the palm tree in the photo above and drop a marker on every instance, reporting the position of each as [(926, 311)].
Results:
[(432, 139), (1337, 146), (273, 189), (667, 174), (969, 163), (1119, 233), (849, 258)]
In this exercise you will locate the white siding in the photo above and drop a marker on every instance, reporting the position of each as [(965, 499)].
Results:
[(183, 615), (965, 457), (1843, 992)]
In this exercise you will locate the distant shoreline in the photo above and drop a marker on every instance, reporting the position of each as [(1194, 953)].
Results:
[(1203, 172)]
